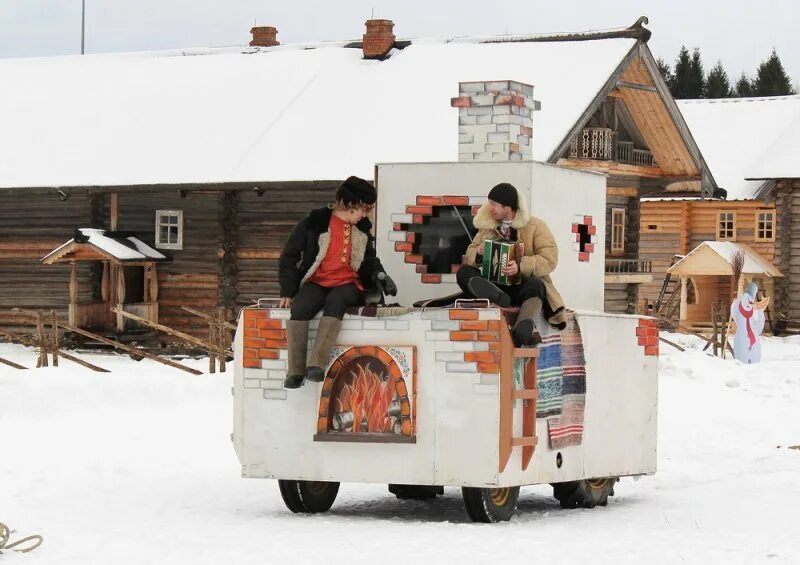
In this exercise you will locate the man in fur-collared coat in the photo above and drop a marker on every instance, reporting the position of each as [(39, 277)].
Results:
[(327, 263), (505, 216)]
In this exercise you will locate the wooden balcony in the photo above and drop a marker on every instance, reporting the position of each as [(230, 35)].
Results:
[(631, 271), (598, 144)]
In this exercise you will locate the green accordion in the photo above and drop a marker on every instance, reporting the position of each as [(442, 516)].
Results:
[(496, 255)]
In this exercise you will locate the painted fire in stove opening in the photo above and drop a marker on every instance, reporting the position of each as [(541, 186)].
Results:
[(369, 389)]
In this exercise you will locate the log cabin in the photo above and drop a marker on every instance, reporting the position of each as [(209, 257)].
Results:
[(738, 138), (210, 156)]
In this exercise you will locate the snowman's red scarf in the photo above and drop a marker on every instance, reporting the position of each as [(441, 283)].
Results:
[(747, 314)]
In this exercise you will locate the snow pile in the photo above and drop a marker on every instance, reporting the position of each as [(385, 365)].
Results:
[(136, 466)]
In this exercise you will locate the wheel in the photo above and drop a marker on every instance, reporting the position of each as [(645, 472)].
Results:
[(586, 493), (308, 497), (490, 504), (415, 492)]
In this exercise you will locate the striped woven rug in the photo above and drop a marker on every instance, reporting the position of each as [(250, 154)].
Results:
[(561, 379)]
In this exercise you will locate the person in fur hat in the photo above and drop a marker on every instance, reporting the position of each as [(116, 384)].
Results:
[(327, 263), (505, 216)]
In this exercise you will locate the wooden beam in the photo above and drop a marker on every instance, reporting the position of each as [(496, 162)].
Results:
[(116, 344), (618, 191), (612, 167), (12, 364), (83, 363), (206, 316), (184, 336), (30, 343), (645, 87)]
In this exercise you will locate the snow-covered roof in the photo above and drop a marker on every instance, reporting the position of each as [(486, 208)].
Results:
[(737, 137), (701, 262), (307, 112), (782, 159), (122, 246)]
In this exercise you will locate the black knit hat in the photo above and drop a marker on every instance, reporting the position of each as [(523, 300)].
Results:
[(505, 194), (354, 191)]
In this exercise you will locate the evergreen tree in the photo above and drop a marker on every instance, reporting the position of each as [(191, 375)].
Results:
[(772, 79), (744, 87), (688, 81), (680, 78), (697, 82), (717, 84), (665, 71)]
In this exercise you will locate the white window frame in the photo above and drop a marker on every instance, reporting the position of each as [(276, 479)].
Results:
[(769, 218), (160, 215), (618, 226), (720, 220)]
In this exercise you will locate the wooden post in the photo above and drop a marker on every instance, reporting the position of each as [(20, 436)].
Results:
[(715, 335), (54, 321), (154, 285), (146, 283), (104, 283), (222, 334), (120, 297), (684, 308), (114, 211), (73, 294), (212, 366), (42, 362)]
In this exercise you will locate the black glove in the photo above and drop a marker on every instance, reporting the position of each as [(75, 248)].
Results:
[(386, 284)]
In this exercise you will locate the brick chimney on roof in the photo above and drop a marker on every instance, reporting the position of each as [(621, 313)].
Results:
[(495, 120), (379, 39), (264, 36)]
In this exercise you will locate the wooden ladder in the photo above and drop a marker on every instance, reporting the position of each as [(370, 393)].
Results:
[(529, 393)]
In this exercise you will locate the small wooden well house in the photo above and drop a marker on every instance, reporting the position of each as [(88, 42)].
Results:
[(706, 274), (129, 281)]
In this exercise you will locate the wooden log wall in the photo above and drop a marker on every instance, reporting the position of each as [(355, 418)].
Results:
[(32, 225), (232, 240), (676, 227), (263, 225), (191, 278), (621, 297), (787, 252)]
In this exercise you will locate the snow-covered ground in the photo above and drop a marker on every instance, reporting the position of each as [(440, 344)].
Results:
[(136, 466)]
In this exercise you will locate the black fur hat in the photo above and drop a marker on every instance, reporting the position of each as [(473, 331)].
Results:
[(505, 194), (355, 191)]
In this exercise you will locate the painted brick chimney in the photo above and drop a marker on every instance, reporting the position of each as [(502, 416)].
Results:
[(495, 120), (379, 39), (264, 36)]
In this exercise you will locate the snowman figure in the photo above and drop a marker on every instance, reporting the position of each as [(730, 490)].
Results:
[(749, 317)]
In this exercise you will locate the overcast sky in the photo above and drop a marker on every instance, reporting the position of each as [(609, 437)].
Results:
[(740, 33)]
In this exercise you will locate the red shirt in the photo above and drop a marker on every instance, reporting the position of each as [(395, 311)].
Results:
[(335, 269)]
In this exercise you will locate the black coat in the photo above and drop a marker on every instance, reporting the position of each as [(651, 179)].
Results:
[(302, 249)]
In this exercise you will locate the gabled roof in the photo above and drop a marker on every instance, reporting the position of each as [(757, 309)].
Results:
[(744, 138), (715, 258), (295, 112), (96, 244)]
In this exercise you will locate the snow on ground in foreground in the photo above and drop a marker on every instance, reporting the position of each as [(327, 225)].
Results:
[(136, 466)]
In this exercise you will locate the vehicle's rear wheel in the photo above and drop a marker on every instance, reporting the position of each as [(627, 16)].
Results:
[(415, 492), (586, 493), (490, 504), (308, 496)]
